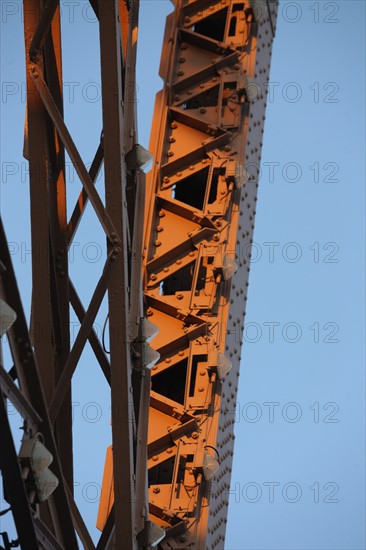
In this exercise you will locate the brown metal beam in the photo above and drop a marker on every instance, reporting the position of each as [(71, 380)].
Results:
[(30, 385), (94, 5), (108, 532), (118, 299), (93, 338), (42, 28), (45, 537), (38, 178), (79, 523), (142, 502), (60, 313), (22, 405), (38, 152), (83, 197), (74, 154)]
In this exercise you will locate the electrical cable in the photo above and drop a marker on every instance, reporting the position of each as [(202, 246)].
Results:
[(103, 335)]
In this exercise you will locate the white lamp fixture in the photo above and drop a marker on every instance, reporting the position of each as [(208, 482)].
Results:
[(259, 9), (7, 317), (138, 158), (252, 89), (229, 267), (241, 175), (151, 534), (210, 465), (148, 330), (224, 365), (157, 534), (34, 455), (149, 356)]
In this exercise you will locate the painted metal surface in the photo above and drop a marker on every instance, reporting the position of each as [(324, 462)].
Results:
[(54, 524), (33, 408), (177, 255), (207, 131)]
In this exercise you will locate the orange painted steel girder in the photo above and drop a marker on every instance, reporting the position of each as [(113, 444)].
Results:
[(199, 216), (201, 201), (199, 219)]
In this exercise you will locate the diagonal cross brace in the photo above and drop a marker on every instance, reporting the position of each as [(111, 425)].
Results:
[(83, 197), (92, 337), (74, 155), (82, 336)]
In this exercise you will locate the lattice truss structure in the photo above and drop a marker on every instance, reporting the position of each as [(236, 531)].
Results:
[(206, 141), (176, 258)]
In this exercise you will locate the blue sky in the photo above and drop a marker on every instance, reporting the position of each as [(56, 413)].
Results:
[(298, 477)]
